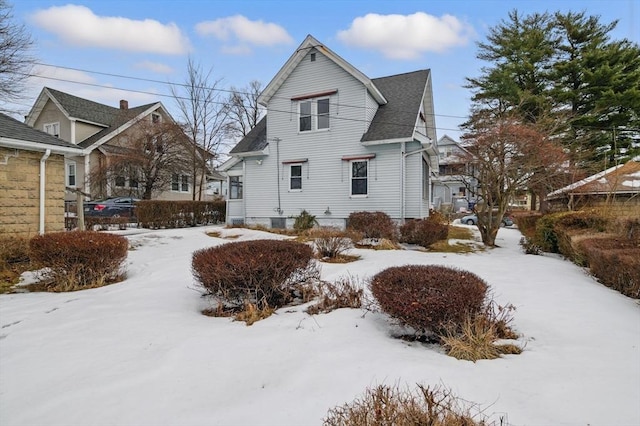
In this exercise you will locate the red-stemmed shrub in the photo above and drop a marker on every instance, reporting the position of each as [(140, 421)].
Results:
[(429, 298), (374, 225), (423, 232), (79, 259), (260, 272)]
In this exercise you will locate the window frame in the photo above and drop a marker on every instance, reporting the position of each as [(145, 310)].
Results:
[(179, 182), (314, 117), (352, 177), (297, 177), (55, 125), (67, 174), (235, 182)]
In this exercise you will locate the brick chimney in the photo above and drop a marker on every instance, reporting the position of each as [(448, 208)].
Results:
[(124, 104)]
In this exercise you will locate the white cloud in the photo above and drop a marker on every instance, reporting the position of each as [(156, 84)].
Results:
[(406, 36), (243, 32), (156, 67), (79, 26)]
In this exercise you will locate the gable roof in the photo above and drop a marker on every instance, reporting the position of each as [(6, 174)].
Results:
[(16, 134), (620, 179), (397, 118), (311, 43), (254, 141), (80, 109)]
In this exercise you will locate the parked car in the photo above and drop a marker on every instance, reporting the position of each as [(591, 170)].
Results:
[(472, 219), (111, 207)]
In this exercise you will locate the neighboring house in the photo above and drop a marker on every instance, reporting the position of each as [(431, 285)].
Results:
[(32, 179), (102, 132), (334, 142), (455, 188), (617, 187)]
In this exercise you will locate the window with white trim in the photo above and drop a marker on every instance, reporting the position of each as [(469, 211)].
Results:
[(53, 129), (235, 187), (295, 177), (70, 175), (313, 114), (359, 177), (179, 183), (425, 180)]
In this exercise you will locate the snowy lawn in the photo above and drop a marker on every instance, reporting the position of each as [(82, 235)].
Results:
[(141, 353)]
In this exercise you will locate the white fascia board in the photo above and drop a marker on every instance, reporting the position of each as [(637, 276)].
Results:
[(36, 146), (229, 164)]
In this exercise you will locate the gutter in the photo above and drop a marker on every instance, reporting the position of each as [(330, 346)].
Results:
[(43, 181)]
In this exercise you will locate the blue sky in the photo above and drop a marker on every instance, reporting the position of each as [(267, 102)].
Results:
[(246, 40)]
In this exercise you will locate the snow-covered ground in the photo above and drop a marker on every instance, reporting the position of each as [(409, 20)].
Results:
[(140, 352)]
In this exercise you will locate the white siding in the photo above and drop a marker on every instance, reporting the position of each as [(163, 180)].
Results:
[(326, 179)]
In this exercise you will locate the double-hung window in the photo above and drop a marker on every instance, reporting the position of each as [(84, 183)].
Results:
[(71, 174), (314, 114), (52, 129), (359, 177), (180, 183), (235, 187), (295, 177)]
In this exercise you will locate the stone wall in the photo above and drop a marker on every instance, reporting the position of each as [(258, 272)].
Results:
[(20, 193)]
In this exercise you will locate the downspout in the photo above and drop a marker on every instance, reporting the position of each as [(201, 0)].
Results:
[(402, 179), (43, 181)]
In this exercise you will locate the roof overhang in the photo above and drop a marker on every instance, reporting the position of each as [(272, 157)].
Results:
[(39, 147)]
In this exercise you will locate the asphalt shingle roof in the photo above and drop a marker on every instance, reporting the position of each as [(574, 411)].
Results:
[(94, 112), (13, 129), (397, 118), (255, 140)]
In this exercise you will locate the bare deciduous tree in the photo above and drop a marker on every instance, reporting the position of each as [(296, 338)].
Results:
[(204, 112), (143, 163), (244, 109), (15, 62), (508, 156)]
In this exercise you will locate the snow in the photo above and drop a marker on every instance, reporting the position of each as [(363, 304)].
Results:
[(141, 353)]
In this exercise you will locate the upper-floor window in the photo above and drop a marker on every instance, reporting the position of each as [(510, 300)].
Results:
[(70, 174), (155, 118), (295, 177), (52, 129), (235, 187), (359, 177), (313, 114)]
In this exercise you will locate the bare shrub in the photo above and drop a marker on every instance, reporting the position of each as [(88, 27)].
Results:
[(373, 225), (429, 298), (346, 292), (78, 260), (423, 232), (330, 242), (385, 405), (267, 273)]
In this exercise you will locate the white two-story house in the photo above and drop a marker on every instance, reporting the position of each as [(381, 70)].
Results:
[(334, 142)]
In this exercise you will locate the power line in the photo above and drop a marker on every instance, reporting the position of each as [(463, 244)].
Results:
[(223, 103), (230, 91)]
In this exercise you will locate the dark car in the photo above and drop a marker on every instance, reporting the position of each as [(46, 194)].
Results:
[(472, 219), (111, 207)]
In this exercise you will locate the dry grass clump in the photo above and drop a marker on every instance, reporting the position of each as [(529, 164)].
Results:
[(346, 292), (78, 260), (329, 242), (14, 260), (479, 334), (392, 406)]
